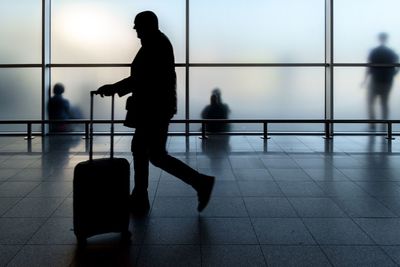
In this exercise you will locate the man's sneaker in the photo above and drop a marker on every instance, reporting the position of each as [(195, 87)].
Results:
[(139, 204), (204, 189)]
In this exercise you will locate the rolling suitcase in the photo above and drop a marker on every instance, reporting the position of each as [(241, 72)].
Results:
[(101, 192)]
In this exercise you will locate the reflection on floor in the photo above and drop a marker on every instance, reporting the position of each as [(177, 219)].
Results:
[(288, 201)]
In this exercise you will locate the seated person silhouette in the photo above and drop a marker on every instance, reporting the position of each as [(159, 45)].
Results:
[(216, 110), (58, 109)]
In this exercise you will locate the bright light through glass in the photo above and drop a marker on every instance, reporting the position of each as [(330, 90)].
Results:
[(87, 24)]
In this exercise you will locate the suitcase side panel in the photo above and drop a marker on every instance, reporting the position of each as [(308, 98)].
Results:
[(101, 196)]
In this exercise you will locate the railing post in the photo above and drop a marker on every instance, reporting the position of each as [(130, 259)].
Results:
[(86, 131), (265, 131), (389, 131), (203, 130), (29, 131), (328, 131)]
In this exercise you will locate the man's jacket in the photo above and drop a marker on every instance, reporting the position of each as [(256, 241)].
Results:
[(152, 83)]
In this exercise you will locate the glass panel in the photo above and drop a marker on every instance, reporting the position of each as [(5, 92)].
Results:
[(259, 93), (94, 31), (20, 91), (357, 25), (281, 31), (78, 82), (20, 31), (352, 94)]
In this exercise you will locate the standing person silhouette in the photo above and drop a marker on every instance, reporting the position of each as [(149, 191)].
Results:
[(380, 79), (150, 108)]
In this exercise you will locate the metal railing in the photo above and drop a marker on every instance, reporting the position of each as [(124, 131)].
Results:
[(328, 124)]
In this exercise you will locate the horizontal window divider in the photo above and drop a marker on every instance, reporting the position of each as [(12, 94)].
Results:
[(102, 65), (9, 66), (88, 65), (258, 65), (110, 65), (197, 133), (104, 121), (364, 65)]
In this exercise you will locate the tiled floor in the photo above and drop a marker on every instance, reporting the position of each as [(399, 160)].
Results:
[(288, 201)]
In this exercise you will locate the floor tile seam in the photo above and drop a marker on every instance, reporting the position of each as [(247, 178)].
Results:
[(28, 192), (310, 233), (252, 145), (47, 219), (315, 240), (21, 247), (275, 183), (337, 200), (302, 246), (300, 196), (333, 196), (388, 255), (268, 171), (251, 223), (200, 240), (1, 215), (249, 217), (387, 206), (362, 230), (35, 197), (320, 217), (325, 247), (341, 206), (375, 196), (202, 245)]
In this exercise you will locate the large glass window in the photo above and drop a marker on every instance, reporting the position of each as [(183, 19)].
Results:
[(267, 58), (358, 98), (20, 31), (20, 96), (101, 31), (357, 25), (258, 31), (78, 82), (259, 93)]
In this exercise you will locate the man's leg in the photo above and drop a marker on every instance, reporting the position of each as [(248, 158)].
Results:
[(139, 198), (203, 184), (140, 161)]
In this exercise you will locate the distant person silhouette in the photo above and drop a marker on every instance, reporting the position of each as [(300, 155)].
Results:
[(216, 110), (380, 79), (58, 109), (150, 108)]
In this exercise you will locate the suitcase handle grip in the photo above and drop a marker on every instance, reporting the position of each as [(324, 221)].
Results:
[(92, 93)]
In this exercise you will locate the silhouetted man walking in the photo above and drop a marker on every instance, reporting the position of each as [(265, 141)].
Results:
[(380, 78), (150, 108)]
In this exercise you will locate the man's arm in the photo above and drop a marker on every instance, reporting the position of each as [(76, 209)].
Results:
[(121, 88)]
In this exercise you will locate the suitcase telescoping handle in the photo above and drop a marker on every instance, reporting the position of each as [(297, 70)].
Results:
[(92, 93)]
